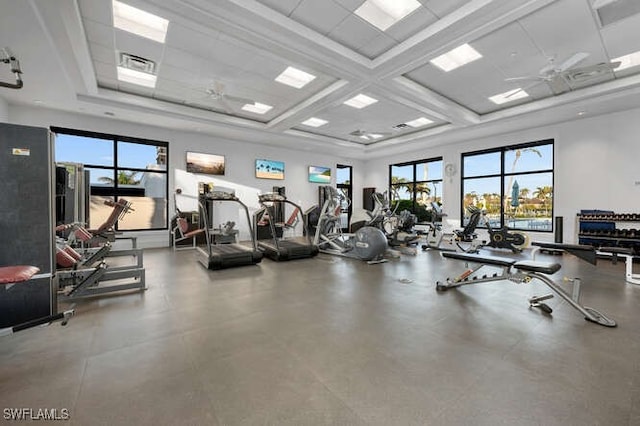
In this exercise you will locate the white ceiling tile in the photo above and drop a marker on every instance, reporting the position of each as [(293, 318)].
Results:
[(322, 16), (622, 38), (96, 10), (99, 33), (104, 70), (182, 59), (564, 28), (102, 54), (183, 38), (410, 25), (350, 5), (354, 32), (442, 8), (283, 6), (377, 46), (181, 75)]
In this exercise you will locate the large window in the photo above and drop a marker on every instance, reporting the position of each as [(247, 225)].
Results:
[(415, 185), (513, 184), (120, 167)]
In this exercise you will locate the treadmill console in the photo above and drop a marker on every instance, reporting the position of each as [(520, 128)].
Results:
[(271, 196), (221, 195)]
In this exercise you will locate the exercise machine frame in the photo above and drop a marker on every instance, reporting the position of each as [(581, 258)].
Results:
[(522, 271)]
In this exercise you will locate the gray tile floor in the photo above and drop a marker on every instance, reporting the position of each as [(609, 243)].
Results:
[(334, 341)]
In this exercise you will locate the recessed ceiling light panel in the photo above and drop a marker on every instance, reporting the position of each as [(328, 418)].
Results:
[(136, 77), (360, 101), (295, 78), (384, 13), (139, 22), (314, 122), (257, 108), (511, 95), (456, 58), (627, 61), (419, 122)]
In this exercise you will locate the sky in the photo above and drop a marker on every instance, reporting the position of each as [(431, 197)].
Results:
[(486, 164), (99, 152)]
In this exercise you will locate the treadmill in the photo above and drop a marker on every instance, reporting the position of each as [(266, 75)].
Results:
[(219, 256), (279, 249)]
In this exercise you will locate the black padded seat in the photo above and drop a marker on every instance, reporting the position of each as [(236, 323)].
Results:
[(547, 268), (560, 246), (489, 260), (617, 250)]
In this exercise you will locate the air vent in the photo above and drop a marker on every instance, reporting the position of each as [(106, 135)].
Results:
[(400, 126), (137, 63), (611, 11)]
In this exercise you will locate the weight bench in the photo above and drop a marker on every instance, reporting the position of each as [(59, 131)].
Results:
[(522, 271), (11, 275), (629, 255), (590, 254), (75, 282)]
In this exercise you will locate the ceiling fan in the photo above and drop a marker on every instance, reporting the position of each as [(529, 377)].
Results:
[(369, 136), (218, 94), (558, 76)]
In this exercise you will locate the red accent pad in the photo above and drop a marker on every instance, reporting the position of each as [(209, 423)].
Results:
[(16, 274), (64, 259)]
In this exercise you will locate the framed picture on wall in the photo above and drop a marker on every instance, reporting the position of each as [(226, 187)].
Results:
[(270, 169), (319, 174), (208, 164)]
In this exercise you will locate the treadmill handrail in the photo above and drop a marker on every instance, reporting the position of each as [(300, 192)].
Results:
[(226, 198)]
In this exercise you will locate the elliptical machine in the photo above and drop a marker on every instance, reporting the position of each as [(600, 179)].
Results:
[(367, 243), (498, 238)]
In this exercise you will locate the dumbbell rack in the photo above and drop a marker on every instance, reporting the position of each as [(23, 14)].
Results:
[(607, 229)]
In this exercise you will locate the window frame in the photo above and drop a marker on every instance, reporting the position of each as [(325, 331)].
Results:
[(415, 182), (503, 175), (115, 191)]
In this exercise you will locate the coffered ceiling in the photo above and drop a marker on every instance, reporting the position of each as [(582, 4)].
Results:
[(221, 55)]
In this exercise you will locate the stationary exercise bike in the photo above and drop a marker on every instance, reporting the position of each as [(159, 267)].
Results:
[(435, 234), (498, 238)]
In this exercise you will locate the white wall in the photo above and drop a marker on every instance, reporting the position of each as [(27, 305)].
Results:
[(596, 166), (4, 110), (240, 158)]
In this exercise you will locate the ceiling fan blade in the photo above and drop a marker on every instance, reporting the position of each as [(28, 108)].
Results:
[(524, 78), (239, 99), (574, 60), (225, 105), (525, 88)]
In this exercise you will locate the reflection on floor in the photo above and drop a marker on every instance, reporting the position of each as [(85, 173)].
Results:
[(334, 341)]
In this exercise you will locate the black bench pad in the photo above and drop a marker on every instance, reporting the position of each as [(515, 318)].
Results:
[(560, 246), (617, 250), (489, 260), (547, 268)]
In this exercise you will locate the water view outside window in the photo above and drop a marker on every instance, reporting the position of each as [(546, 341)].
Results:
[(120, 167), (514, 185)]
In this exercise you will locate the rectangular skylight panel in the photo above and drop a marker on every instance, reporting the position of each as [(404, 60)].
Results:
[(360, 101), (419, 122), (136, 77), (137, 21), (511, 95), (628, 61), (257, 108), (295, 78), (384, 13), (315, 122), (456, 58)]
